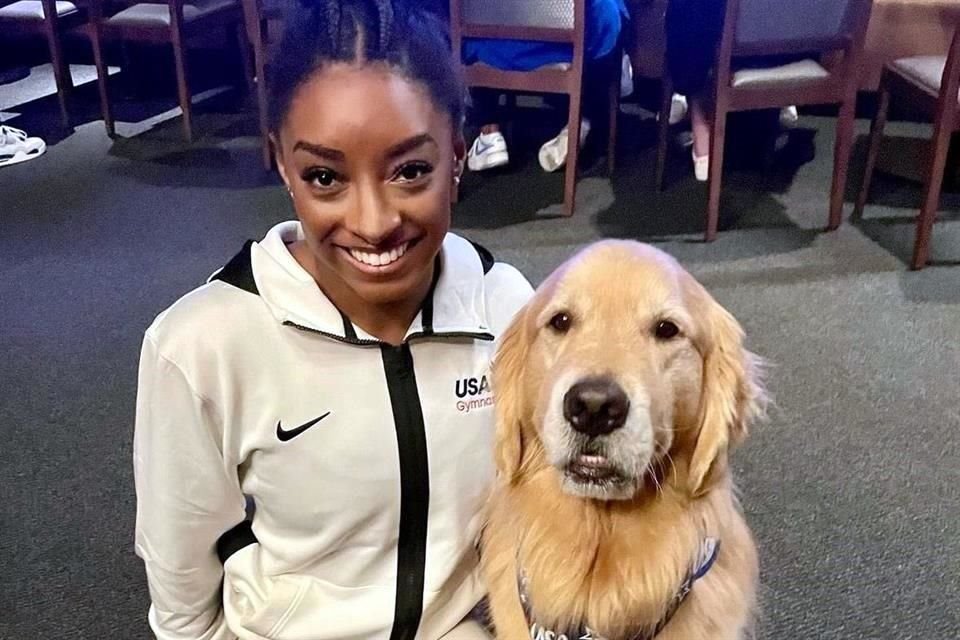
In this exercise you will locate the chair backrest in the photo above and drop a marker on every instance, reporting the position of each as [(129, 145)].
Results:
[(550, 14), (534, 20), (772, 27)]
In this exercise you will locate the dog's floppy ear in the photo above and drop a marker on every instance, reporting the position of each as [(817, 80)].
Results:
[(508, 366), (732, 397)]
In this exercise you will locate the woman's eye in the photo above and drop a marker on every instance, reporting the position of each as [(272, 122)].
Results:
[(412, 171), (322, 178)]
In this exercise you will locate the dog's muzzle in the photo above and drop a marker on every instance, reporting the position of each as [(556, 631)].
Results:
[(594, 407)]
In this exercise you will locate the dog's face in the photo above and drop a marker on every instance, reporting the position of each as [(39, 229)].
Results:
[(619, 361)]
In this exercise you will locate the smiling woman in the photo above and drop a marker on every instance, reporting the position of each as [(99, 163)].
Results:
[(356, 323)]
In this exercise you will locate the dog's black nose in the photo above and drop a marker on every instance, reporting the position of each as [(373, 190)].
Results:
[(596, 406)]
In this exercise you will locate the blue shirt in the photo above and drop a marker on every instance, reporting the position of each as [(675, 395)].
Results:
[(604, 21)]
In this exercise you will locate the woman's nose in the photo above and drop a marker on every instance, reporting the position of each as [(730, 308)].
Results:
[(374, 219)]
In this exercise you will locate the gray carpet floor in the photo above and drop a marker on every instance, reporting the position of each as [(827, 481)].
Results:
[(851, 487)]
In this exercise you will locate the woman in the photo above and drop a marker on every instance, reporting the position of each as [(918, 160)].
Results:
[(334, 373)]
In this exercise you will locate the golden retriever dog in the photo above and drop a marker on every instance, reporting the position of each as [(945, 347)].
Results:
[(620, 389)]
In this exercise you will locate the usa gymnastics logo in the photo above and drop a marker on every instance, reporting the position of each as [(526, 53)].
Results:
[(473, 394)]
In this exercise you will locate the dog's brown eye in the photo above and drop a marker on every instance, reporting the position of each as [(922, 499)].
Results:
[(666, 330), (561, 322)]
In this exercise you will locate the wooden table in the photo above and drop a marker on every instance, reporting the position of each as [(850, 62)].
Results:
[(901, 28)]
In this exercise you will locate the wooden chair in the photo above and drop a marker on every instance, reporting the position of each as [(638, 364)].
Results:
[(172, 22), (760, 28), (259, 15), (560, 21), (51, 18), (931, 83)]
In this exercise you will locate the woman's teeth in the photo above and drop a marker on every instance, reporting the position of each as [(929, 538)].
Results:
[(380, 259)]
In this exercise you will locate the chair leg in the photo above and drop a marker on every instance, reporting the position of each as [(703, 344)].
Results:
[(663, 130), (455, 192), (841, 160), (509, 114), (61, 70), (718, 134), (257, 35), (612, 116), (103, 74), (263, 104), (573, 154), (876, 139), (239, 35), (936, 166), (183, 86)]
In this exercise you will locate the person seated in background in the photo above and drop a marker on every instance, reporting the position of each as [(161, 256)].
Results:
[(693, 30), (605, 20)]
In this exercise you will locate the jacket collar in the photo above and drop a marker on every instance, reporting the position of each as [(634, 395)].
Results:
[(455, 306)]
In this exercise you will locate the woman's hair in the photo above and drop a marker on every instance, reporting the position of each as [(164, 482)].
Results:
[(412, 40)]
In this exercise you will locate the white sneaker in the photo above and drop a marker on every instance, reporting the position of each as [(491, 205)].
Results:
[(678, 108), (16, 146), (489, 150), (789, 117), (701, 166), (553, 153), (626, 76)]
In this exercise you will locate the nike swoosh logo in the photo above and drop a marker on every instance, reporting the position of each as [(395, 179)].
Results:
[(483, 147), (285, 435)]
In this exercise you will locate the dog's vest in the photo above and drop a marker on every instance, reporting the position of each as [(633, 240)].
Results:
[(705, 559)]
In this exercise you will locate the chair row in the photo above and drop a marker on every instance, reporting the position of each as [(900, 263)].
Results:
[(174, 22), (825, 37), (827, 34)]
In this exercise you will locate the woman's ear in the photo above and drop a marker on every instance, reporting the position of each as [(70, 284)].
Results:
[(732, 397), (509, 395)]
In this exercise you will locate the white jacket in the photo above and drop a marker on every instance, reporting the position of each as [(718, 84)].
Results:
[(367, 463)]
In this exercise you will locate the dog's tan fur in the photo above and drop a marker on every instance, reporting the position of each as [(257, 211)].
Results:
[(615, 565)]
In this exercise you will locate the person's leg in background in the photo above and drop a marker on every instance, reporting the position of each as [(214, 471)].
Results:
[(468, 630), (595, 109), (693, 29), (489, 148), (700, 121), (605, 21)]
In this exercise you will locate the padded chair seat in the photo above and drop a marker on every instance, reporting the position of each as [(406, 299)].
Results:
[(554, 66), (927, 71), (33, 10), (795, 72), (158, 14)]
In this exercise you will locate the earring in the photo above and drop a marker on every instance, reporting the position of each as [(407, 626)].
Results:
[(290, 192), (456, 180)]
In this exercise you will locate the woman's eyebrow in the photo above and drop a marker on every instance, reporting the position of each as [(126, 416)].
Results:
[(410, 144), (320, 151)]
